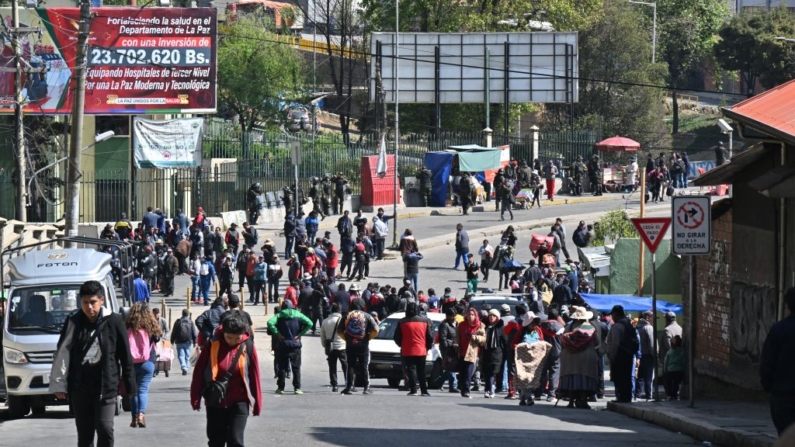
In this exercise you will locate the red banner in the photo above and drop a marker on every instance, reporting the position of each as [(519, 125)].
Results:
[(140, 61)]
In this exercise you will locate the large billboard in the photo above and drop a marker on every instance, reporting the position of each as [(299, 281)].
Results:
[(528, 67), (140, 61)]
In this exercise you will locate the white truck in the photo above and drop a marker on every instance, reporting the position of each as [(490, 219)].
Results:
[(41, 289)]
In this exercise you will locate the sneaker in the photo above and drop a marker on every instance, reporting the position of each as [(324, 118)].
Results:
[(550, 398), (453, 390), (346, 391), (465, 395), (426, 394), (412, 393), (334, 389), (523, 403), (298, 392), (511, 396), (486, 395), (475, 388), (280, 391), (367, 392), (184, 372)]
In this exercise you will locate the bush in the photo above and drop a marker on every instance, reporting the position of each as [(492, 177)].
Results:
[(613, 226)]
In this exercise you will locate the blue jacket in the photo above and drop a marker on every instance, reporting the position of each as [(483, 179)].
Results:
[(150, 220), (182, 220), (312, 224), (289, 225), (260, 271), (141, 290), (212, 270)]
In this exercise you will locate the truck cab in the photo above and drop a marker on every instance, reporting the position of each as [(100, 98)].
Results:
[(43, 291)]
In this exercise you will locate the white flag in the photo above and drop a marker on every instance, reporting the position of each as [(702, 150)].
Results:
[(380, 169)]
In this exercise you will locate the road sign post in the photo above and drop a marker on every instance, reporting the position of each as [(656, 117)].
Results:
[(652, 231), (692, 236)]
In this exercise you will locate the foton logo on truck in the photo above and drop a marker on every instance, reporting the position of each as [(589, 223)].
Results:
[(57, 264)]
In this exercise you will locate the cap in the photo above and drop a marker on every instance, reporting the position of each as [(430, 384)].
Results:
[(670, 315), (494, 312), (307, 277), (505, 308), (234, 299)]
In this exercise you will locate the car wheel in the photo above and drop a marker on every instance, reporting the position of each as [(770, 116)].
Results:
[(38, 410), (17, 407), (393, 382), (436, 381)]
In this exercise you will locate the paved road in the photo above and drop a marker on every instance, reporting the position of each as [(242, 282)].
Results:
[(387, 418)]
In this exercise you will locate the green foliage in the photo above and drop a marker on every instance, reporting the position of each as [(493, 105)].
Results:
[(747, 45), (256, 71), (571, 15), (612, 226), (616, 47)]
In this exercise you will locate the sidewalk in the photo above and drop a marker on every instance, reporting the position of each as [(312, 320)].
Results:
[(720, 422), (274, 229)]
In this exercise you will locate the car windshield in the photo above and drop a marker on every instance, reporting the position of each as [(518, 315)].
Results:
[(42, 309), (387, 328), (495, 303)]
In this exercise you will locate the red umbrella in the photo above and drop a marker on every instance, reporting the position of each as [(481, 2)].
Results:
[(617, 144)]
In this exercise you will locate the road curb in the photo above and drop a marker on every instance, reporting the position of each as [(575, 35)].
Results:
[(699, 429)]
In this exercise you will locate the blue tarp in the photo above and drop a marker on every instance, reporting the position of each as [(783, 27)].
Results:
[(441, 165), (604, 303)]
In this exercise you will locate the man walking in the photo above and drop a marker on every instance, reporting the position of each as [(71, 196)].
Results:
[(334, 346), (170, 270), (414, 336), (461, 246), (646, 370), (622, 346), (288, 326), (184, 336), (357, 329), (777, 367)]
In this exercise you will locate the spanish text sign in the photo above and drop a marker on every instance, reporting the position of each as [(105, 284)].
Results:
[(692, 225), (140, 61)]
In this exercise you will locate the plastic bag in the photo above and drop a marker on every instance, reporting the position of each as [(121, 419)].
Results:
[(194, 356)]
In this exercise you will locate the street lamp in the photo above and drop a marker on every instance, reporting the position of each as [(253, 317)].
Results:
[(653, 30)]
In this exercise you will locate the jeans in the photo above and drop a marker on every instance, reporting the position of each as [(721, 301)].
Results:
[(254, 294), (415, 280), (287, 359), (183, 354), (550, 374), (93, 415), (288, 248), (490, 373), (415, 370), (465, 372), (461, 255), (379, 248), (205, 286), (450, 378), (332, 358), (645, 376), (273, 290), (143, 377), (195, 288), (226, 426), (358, 363), (472, 285)]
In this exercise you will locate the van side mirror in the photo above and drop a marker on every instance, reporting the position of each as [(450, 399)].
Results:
[(124, 311)]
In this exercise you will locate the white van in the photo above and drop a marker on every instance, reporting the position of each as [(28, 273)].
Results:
[(43, 293)]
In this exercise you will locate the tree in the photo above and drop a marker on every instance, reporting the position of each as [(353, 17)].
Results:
[(688, 34), (256, 71), (747, 45), (615, 71)]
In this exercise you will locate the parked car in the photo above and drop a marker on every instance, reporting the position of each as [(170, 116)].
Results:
[(298, 119), (385, 361), (496, 301)]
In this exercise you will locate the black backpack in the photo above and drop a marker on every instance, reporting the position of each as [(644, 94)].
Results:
[(184, 331), (630, 343)]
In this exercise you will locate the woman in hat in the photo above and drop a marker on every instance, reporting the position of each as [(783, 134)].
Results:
[(578, 361), (530, 334)]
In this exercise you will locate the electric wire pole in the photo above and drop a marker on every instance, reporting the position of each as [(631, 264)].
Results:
[(19, 125), (73, 173)]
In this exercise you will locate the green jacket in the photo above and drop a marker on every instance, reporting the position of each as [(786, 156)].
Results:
[(674, 360), (290, 324)]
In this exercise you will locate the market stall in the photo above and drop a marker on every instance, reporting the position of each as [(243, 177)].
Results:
[(446, 168), (614, 161)]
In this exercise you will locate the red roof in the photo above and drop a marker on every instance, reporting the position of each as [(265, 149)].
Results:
[(772, 112)]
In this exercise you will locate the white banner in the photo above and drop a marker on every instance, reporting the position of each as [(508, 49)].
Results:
[(381, 168), (167, 143)]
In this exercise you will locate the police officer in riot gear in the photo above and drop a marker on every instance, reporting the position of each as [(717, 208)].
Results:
[(287, 198), (578, 169), (340, 182), (325, 190), (424, 177), (255, 199), (465, 192), (315, 194)]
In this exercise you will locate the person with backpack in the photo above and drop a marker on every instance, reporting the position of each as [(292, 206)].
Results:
[(288, 326), (250, 236), (227, 377), (206, 278), (184, 336), (334, 346), (623, 344), (357, 329), (210, 319)]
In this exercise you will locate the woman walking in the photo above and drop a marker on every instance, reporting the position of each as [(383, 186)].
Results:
[(471, 336), (496, 341), (230, 358), (260, 277), (578, 361), (143, 333)]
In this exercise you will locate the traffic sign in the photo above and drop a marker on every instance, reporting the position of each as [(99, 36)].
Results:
[(692, 225), (295, 152), (652, 230)]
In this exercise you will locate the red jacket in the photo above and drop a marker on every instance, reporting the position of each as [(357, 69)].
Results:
[(513, 330), (292, 295), (310, 261), (414, 335), (332, 257), (244, 385)]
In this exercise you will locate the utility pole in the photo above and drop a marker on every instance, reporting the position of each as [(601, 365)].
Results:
[(397, 121), (19, 125), (73, 173)]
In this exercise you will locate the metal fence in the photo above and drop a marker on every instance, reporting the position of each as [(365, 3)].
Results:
[(238, 160)]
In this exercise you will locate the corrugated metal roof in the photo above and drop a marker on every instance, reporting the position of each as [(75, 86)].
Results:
[(772, 111)]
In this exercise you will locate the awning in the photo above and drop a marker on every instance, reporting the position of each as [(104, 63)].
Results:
[(605, 303), (778, 183), (479, 161), (726, 173)]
